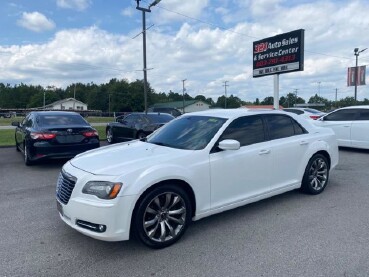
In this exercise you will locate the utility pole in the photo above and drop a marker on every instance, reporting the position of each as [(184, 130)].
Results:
[(144, 11), (109, 103), (295, 91), (336, 97), (183, 94), (74, 96), (319, 89), (225, 94)]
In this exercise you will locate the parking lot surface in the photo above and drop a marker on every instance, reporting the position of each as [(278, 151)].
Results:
[(292, 234)]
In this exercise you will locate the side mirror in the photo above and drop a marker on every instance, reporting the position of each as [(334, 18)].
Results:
[(15, 123), (229, 144)]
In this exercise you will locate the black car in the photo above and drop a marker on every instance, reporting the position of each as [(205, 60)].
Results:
[(52, 134), (135, 126)]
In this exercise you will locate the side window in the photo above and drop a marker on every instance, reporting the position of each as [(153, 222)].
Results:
[(363, 114), (280, 126), (129, 119), (27, 122), (341, 115), (247, 130), (298, 129)]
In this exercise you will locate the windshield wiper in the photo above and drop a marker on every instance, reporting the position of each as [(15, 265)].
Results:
[(143, 139), (160, 143)]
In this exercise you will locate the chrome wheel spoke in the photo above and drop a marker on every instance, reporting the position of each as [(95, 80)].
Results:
[(175, 201), (168, 197), (180, 221), (163, 231), (151, 222), (157, 202), (171, 230), (179, 211), (152, 232), (151, 211)]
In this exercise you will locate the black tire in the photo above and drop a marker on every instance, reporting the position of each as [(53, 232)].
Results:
[(140, 135), (316, 175), (17, 146), (162, 216), (110, 135), (26, 156)]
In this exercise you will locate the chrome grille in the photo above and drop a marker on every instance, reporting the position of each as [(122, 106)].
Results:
[(64, 187)]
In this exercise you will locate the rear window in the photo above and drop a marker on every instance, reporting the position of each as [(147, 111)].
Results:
[(55, 120), (160, 118)]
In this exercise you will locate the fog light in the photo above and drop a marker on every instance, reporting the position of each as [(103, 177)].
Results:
[(99, 228)]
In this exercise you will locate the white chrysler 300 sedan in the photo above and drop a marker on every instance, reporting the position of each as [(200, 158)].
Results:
[(196, 165)]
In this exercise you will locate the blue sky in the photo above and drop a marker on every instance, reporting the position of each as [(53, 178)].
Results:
[(207, 42)]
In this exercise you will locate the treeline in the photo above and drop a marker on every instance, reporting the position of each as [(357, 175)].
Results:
[(124, 96), (117, 95)]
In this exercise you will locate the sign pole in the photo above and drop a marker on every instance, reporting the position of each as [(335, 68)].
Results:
[(276, 92)]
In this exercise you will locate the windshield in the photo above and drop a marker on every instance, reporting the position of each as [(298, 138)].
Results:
[(190, 132)]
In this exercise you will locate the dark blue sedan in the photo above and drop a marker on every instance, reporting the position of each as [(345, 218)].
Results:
[(53, 134)]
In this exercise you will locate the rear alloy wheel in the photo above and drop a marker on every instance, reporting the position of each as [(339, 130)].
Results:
[(109, 135), (27, 159), (162, 216), (316, 175)]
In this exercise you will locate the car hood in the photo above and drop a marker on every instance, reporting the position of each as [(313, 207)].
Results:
[(125, 157)]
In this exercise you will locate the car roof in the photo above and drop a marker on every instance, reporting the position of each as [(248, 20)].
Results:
[(53, 113), (356, 107), (234, 113)]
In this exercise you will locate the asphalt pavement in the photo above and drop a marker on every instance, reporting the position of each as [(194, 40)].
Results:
[(292, 234)]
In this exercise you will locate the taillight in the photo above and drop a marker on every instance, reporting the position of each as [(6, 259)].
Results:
[(315, 117), (42, 135), (90, 134)]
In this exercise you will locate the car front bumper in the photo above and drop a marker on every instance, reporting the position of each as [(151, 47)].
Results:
[(116, 217)]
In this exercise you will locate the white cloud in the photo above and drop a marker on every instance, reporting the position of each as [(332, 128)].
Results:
[(36, 22), (74, 4), (204, 55), (129, 11), (172, 10)]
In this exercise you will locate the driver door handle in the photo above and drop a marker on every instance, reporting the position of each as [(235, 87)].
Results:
[(264, 151)]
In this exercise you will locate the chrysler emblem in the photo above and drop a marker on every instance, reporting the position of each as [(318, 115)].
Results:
[(69, 130)]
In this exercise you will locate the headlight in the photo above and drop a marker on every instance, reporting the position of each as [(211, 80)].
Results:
[(103, 190)]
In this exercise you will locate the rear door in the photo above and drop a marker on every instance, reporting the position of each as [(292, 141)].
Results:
[(289, 143), (340, 121), (360, 129)]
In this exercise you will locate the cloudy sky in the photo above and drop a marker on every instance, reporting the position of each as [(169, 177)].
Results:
[(206, 42)]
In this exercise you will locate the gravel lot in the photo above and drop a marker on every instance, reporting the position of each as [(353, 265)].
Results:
[(288, 235)]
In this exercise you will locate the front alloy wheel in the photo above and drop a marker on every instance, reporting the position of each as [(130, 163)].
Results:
[(316, 175), (163, 216)]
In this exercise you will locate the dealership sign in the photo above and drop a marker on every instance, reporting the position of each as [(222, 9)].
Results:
[(279, 54)]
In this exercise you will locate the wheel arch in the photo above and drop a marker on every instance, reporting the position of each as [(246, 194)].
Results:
[(326, 155)]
